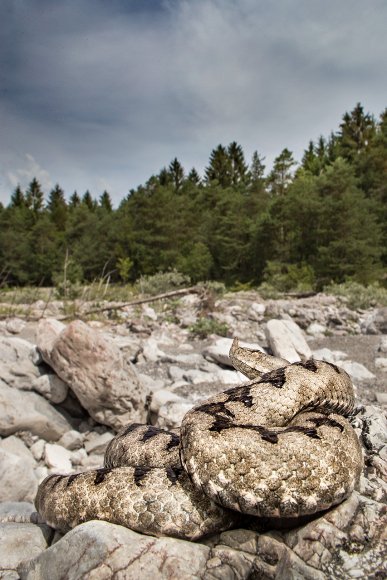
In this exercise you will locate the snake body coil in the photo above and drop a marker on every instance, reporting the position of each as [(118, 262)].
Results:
[(277, 446)]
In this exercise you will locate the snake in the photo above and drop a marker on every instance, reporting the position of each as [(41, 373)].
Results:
[(279, 446)]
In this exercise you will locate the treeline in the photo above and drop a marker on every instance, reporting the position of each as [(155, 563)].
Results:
[(320, 221)]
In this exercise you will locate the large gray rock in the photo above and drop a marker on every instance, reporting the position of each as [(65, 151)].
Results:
[(47, 332), (17, 478), (101, 550), (21, 542), (96, 371), (16, 367), (26, 411), (375, 322), (356, 371), (219, 350), (286, 340), (16, 446), (51, 387)]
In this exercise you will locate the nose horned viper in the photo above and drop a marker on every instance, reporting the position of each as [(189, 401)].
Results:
[(277, 446)]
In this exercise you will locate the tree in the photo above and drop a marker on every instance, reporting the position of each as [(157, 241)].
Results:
[(176, 172), (194, 177), (239, 168), (35, 196), (57, 207), (17, 198), (74, 200), (219, 168), (105, 202), (88, 201), (281, 175), (356, 132), (257, 167)]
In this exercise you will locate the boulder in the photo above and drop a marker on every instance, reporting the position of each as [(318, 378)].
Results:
[(47, 332), (381, 363), (58, 458), (17, 478), (96, 443), (332, 356), (96, 371), (102, 550), (356, 371), (21, 410), (22, 542), (218, 351), (16, 367), (286, 340), (16, 446), (71, 440), (375, 322), (19, 512), (51, 388)]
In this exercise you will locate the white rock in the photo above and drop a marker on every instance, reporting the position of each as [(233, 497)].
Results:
[(357, 371), (151, 384), (41, 473), (15, 325), (57, 457), (71, 440), (17, 479), (316, 329), (17, 512), (229, 377), (171, 414), (218, 351), (95, 369), (383, 344), (21, 543), (98, 443), (332, 356), (16, 446), (162, 397), (175, 373), (381, 363), (79, 456), (287, 340), (37, 449), (151, 351), (51, 387), (48, 330), (23, 411), (16, 368), (256, 311), (149, 312)]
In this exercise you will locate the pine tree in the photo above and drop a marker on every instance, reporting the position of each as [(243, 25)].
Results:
[(57, 207), (219, 168), (17, 198), (356, 131), (194, 177), (281, 175), (88, 201), (35, 196), (176, 172), (239, 168), (257, 167), (105, 202), (74, 201)]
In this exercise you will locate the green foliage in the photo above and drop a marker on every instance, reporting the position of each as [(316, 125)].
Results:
[(124, 267), (288, 277), (358, 296), (204, 326), (162, 282)]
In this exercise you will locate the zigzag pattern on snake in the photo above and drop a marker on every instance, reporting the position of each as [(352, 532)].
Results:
[(277, 446)]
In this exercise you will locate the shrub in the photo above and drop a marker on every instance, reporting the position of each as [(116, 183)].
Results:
[(289, 277), (162, 282), (357, 296), (205, 326)]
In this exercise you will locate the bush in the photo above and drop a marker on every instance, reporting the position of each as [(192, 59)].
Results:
[(289, 277), (205, 326), (357, 296), (162, 282)]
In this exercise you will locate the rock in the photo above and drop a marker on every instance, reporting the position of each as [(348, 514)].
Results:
[(96, 371), (102, 550), (22, 542), (357, 371), (50, 387), (316, 329), (37, 449), (17, 478), (286, 340), (375, 322), (16, 368), (163, 397), (256, 311), (381, 363), (71, 440), (332, 356), (58, 458), (150, 383), (151, 351), (383, 345), (47, 332), (14, 445), (381, 398), (15, 325), (20, 410), (98, 443), (171, 414), (79, 457), (41, 473), (375, 428), (149, 312)]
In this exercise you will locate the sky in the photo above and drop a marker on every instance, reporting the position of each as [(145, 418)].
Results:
[(102, 94)]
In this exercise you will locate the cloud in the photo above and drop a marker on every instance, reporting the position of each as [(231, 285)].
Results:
[(24, 175), (109, 92)]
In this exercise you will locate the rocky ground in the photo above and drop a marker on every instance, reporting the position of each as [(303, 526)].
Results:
[(65, 389)]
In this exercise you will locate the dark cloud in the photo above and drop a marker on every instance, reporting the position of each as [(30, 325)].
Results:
[(98, 94)]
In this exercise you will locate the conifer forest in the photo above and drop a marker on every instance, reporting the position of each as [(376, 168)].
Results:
[(319, 221)]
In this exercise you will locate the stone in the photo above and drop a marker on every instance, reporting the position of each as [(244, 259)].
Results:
[(94, 368), (47, 332), (150, 383), (375, 428), (162, 397), (16, 368), (50, 387), (37, 449), (97, 443), (381, 398), (357, 371), (58, 458), (286, 340), (41, 473), (71, 440), (316, 329), (16, 446), (18, 512), (332, 356), (383, 344), (22, 542), (79, 457), (15, 325), (256, 311), (171, 414), (381, 363), (99, 550), (151, 351), (149, 312), (26, 411), (375, 322), (17, 478)]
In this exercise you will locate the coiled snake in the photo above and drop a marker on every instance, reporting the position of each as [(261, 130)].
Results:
[(277, 446)]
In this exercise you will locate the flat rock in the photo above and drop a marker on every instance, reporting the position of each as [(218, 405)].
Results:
[(71, 440), (18, 512), (97, 443), (21, 542), (16, 446), (286, 340), (17, 478), (357, 371), (58, 458), (96, 371), (101, 550), (27, 411), (332, 356)]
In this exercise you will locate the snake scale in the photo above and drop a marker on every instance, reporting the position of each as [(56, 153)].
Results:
[(278, 446)]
